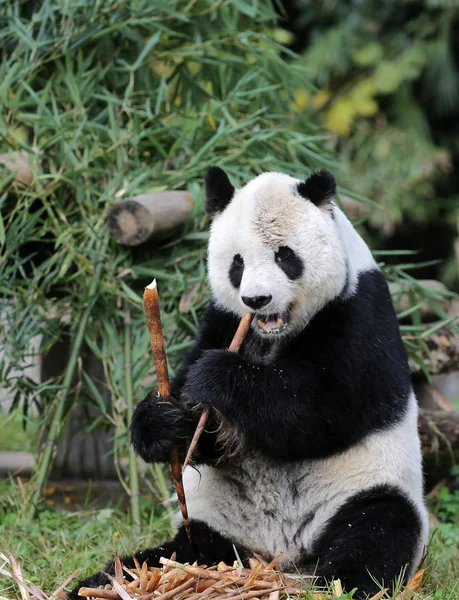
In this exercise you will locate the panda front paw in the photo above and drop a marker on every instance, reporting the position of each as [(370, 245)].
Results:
[(156, 428), (210, 380)]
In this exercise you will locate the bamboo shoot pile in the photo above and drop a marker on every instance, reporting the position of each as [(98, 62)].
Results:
[(183, 581)]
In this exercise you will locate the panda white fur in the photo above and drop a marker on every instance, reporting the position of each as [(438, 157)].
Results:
[(312, 449)]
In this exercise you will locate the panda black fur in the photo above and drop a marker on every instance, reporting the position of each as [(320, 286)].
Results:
[(312, 448)]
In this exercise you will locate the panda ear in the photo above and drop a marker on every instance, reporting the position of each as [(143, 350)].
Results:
[(219, 190), (319, 188)]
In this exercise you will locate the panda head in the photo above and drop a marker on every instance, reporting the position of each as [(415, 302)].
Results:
[(274, 248)]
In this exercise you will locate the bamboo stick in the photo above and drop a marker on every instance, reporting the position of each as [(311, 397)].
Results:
[(236, 343), (241, 332), (98, 593), (196, 571), (171, 593), (248, 595), (118, 587), (153, 315)]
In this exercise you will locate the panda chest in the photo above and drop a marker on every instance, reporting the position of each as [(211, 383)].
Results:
[(265, 506), (259, 351)]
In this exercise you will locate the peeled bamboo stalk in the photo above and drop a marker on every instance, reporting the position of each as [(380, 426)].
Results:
[(236, 343), (98, 593), (153, 315), (195, 571), (171, 593), (241, 332)]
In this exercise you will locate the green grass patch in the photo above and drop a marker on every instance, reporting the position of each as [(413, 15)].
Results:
[(17, 433), (61, 541)]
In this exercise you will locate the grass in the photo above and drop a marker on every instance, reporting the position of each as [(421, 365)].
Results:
[(62, 540), (111, 99), (108, 100)]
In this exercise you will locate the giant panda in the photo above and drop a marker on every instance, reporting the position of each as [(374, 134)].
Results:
[(312, 448)]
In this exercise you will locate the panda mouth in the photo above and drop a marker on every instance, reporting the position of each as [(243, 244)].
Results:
[(273, 323)]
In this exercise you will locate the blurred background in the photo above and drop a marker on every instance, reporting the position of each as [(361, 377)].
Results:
[(111, 112)]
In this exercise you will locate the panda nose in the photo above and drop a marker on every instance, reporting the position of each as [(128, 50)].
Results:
[(256, 302)]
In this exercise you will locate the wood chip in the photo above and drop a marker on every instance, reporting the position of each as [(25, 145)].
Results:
[(118, 570), (379, 595)]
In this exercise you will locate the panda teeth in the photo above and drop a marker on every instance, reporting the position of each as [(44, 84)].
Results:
[(271, 323)]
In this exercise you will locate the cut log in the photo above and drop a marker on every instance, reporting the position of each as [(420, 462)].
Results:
[(439, 430), (439, 433), (135, 220), (442, 355)]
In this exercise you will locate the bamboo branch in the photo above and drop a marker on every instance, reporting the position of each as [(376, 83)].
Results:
[(45, 461), (86, 592), (236, 343), (153, 315), (133, 476), (241, 332)]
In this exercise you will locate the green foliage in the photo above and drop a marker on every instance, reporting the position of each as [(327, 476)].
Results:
[(374, 154), (59, 542), (388, 87), (109, 100), (443, 567), (117, 98), (52, 547)]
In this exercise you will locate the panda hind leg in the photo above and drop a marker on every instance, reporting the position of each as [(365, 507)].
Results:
[(371, 542), (209, 547)]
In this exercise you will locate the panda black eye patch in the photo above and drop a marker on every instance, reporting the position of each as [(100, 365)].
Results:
[(289, 262), (236, 270)]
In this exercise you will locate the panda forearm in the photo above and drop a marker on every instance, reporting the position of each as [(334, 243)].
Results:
[(275, 409), (272, 406)]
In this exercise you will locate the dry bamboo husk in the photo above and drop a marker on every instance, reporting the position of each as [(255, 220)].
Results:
[(236, 343), (153, 315), (176, 581)]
